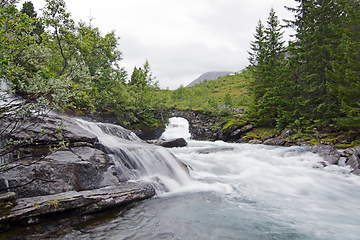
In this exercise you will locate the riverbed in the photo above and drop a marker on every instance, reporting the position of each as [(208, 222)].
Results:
[(240, 191)]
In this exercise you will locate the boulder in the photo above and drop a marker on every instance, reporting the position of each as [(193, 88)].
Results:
[(327, 152)]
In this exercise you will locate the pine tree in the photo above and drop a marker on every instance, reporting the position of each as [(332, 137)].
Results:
[(257, 61)]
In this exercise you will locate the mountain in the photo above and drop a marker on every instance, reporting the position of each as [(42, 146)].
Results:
[(209, 76)]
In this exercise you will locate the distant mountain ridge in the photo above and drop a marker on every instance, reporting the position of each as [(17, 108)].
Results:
[(209, 76)]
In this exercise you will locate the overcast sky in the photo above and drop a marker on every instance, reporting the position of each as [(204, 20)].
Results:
[(181, 39)]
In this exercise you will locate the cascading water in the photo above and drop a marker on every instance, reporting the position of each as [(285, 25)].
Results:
[(137, 159), (243, 191)]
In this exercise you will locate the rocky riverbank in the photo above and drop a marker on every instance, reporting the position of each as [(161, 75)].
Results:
[(61, 170), (64, 171)]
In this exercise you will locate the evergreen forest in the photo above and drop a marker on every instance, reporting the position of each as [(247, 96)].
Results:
[(311, 81)]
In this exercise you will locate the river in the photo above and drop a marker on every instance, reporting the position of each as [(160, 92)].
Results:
[(241, 191)]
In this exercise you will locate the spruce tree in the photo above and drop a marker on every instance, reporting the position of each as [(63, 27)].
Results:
[(267, 59), (319, 59), (346, 66), (38, 29)]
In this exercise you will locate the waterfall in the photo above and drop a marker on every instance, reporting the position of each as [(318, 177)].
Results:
[(136, 158)]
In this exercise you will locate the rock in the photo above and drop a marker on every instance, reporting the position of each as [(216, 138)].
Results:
[(176, 142), (45, 132), (352, 151), (353, 161), (149, 134), (242, 140), (46, 129), (80, 169), (40, 209), (237, 110), (255, 141), (327, 152), (7, 197), (234, 133), (214, 150), (287, 133), (238, 115), (356, 172), (275, 142), (243, 130), (269, 137)]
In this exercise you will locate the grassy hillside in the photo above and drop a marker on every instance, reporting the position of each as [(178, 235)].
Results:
[(231, 90), (234, 90)]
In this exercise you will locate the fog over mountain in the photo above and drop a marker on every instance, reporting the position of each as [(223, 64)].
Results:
[(209, 76)]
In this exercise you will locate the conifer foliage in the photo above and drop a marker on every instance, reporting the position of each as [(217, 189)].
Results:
[(318, 81), (267, 59)]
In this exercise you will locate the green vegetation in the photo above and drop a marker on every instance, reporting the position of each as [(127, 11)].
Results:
[(314, 81), (309, 82), (211, 96)]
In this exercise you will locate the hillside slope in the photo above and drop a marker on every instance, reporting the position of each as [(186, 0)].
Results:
[(209, 76)]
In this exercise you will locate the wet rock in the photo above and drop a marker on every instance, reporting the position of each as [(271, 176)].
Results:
[(275, 142), (255, 141), (7, 197), (327, 152), (149, 134), (352, 151), (243, 140), (214, 150), (176, 142), (353, 161), (40, 209)]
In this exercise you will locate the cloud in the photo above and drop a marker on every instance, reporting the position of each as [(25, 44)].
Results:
[(180, 39)]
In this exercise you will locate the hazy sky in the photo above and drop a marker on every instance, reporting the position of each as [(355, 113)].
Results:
[(181, 39)]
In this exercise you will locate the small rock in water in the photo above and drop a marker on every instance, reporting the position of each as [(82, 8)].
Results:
[(176, 142), (255, 141)]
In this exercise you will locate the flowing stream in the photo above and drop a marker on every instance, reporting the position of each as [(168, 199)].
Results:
[(242, 191)]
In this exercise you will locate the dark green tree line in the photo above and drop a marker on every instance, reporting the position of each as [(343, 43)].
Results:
[(318, 81)]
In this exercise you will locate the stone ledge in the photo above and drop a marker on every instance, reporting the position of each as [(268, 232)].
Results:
[(31, 210)]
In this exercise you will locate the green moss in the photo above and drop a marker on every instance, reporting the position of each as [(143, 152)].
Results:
[(343, 146), (234, 123), (261, 133)]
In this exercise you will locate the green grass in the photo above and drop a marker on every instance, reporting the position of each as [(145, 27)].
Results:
[(211, 95)]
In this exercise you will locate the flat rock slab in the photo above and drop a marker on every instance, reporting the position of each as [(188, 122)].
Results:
[(30, 210)]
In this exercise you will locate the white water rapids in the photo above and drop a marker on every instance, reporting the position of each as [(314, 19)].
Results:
[(243, 191)]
